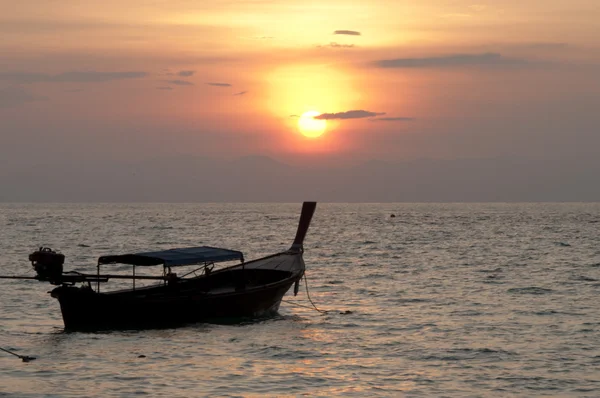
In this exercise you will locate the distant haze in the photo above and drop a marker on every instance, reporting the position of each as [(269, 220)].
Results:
[(262, 179)]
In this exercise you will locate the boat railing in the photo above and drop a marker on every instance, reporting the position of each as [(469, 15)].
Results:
[(168, 276)]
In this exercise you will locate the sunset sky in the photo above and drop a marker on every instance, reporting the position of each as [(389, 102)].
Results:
[(380, 79)]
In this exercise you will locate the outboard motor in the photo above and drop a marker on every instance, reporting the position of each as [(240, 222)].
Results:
[(48, 264)]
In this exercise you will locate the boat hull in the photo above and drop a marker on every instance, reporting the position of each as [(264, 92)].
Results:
[(89, 311), (237, 295)]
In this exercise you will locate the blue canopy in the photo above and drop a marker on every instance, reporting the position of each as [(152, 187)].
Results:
[(174, 257)]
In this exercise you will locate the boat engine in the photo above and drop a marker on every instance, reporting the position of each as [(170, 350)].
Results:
[(47, 263)]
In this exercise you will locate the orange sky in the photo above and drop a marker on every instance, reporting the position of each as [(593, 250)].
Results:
[(439, 79)]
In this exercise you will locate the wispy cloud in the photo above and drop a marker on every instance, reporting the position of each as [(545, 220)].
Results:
[(337, 45), (164, 88), (178, 82), (16, 96), (449, 61), (393, 119), (347, 32), (354, 114), (186, 73), (217, 84), (69, 77), (546, 46), (294, 116), (241, 93)]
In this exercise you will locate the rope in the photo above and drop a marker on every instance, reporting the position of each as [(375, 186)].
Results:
[(309, 299), (25, 358), (297, 304), (308, 295)]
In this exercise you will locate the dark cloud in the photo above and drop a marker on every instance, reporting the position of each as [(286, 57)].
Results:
[(178, 82), (337, 45), (219, 84), (16, 96), (164, 88), (69, 77), (347, 32), (449, 61), (394, 119), (186, 73), (355, 114), (241, 93)]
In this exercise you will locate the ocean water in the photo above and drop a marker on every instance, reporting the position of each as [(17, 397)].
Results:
[(444, 300)]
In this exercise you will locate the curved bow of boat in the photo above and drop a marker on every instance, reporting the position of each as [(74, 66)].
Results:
[(308, 209), (291, 260)]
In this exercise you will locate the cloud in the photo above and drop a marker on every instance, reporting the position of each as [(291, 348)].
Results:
[(393, 119), (219, 84), (546, 46), (16, 96), (347, 32), (164, 88), (186, 73), (355, 114), (337, 45), (259, 38), (449, 61), (178, 82), (241, 93), (69, 77), (294, 116)]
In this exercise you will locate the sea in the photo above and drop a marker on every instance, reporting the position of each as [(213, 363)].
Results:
[(438, 300)]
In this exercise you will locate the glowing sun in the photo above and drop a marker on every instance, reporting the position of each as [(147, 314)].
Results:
[(311, 127)]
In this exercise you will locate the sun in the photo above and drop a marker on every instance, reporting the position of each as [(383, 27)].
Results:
[(311, 127)]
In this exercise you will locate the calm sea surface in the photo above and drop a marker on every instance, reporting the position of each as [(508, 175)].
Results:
[(453, 300)]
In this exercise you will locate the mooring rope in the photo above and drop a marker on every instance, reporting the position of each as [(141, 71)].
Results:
[(309, 299), (297, 304), (24, 358), (308, 295)]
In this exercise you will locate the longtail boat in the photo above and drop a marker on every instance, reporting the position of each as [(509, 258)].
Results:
[(248, 289)]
